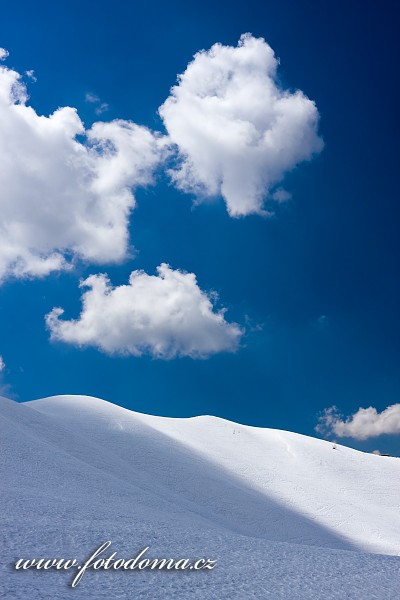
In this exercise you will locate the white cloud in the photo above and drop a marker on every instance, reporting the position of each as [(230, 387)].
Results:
[(101, 106), (238, 132), (67, 192), (280, 195), (365, 423), (63, 198), (5, 388), (3, 53), (166, 316), (92, 98), (31, 74)]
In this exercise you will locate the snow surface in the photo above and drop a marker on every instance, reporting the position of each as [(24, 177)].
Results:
[(285, 515)]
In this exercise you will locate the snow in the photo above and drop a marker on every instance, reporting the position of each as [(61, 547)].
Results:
[(285, 515)]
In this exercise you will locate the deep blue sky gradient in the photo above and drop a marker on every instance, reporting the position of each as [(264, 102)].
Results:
[(318, 285)]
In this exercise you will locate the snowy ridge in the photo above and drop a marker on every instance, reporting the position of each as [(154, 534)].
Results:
[(346, 491), (79, 470)]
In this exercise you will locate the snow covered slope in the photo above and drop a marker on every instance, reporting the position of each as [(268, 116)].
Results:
[(285, 515), (274, 484)]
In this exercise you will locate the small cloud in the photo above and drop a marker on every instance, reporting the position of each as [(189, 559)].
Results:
[(364, 424), (252, 326), (165, 315), (321, 322), (102, 108), (281, 196), (94, 99), (3, 53), (5, 388), (31, 74), (377, 452)]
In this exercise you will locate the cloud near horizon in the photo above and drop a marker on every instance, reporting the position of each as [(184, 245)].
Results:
[(364, 424), (165, 316), (236, 129), (63, 199), (5, 388)]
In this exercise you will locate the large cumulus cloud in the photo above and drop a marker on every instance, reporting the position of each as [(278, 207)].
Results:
[(237, 131), (66, 192)]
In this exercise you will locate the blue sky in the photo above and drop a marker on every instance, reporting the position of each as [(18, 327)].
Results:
[(315, 287)]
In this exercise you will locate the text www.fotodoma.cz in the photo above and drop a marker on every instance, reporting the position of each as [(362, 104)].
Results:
[(94, 562)]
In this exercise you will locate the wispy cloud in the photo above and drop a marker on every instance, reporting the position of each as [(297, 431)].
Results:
[(91, 98), (31, 74), (101, 107)]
